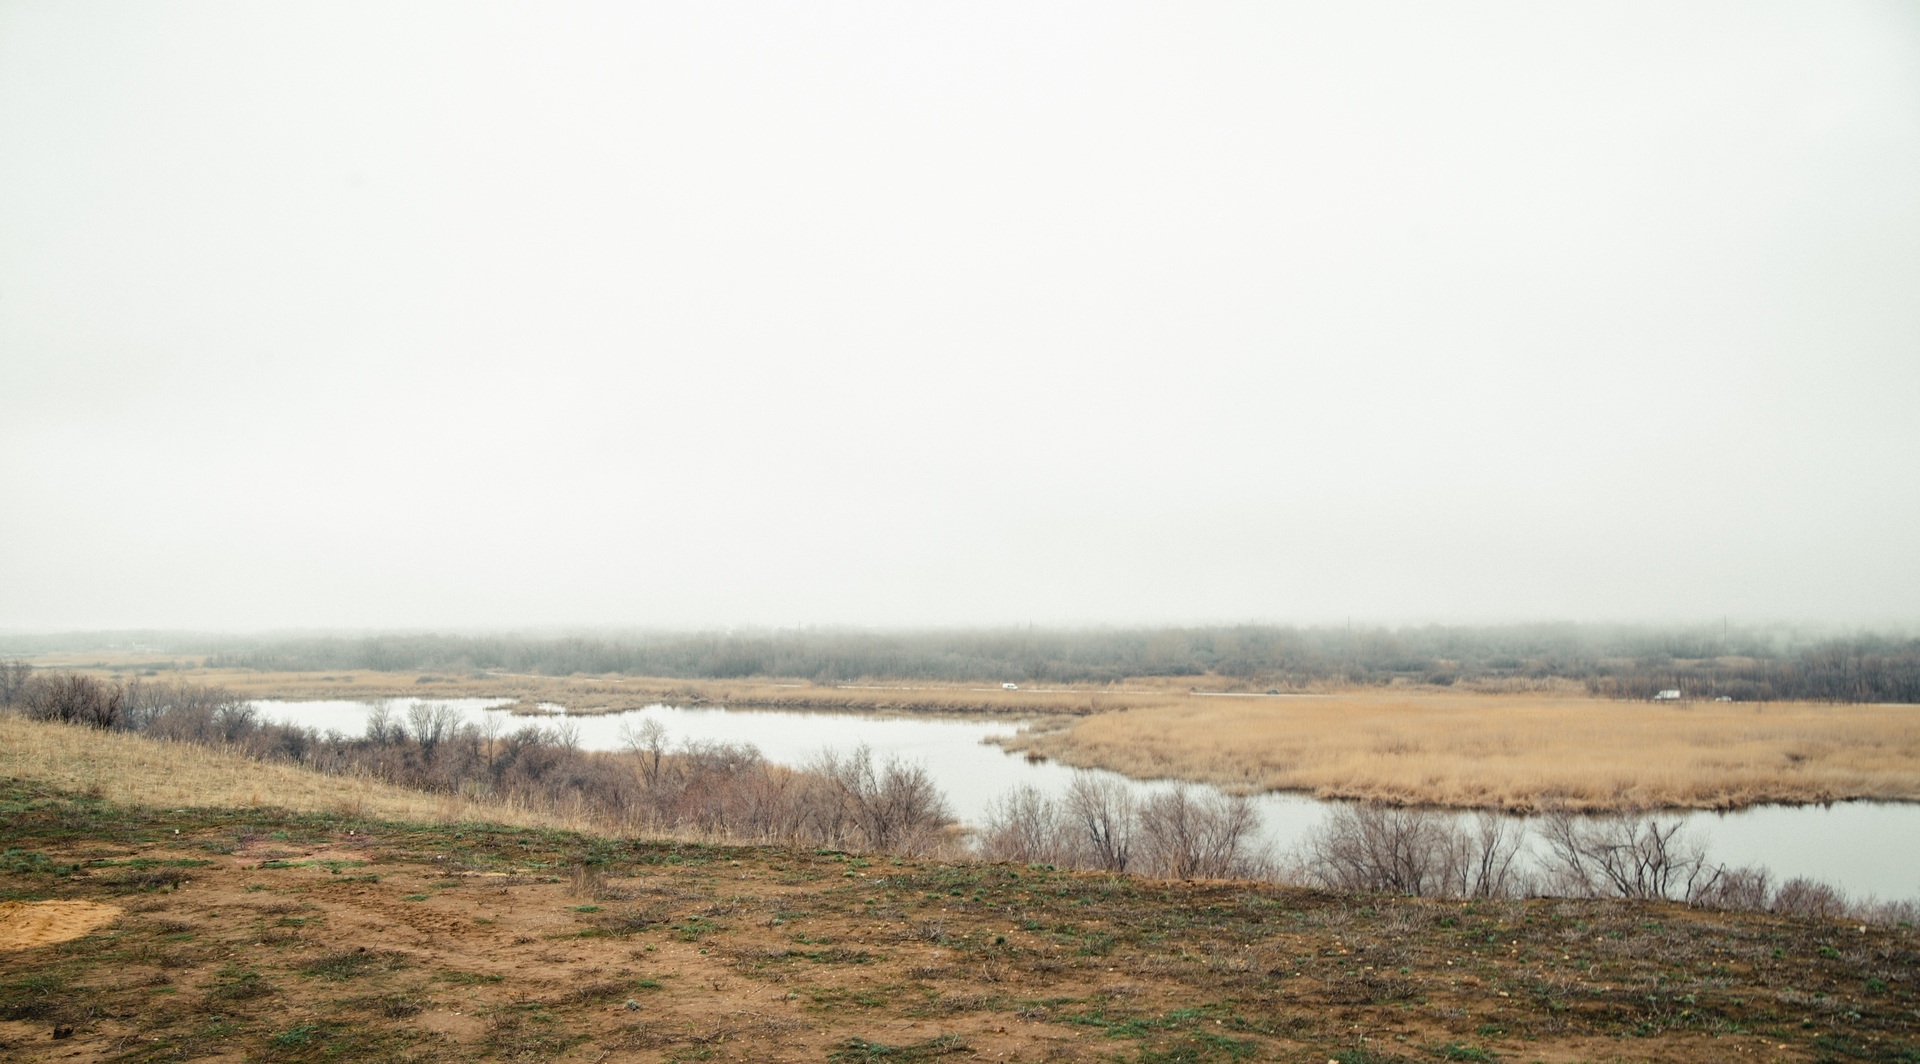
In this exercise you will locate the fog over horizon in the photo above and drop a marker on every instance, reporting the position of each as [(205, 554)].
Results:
[(546, 317)]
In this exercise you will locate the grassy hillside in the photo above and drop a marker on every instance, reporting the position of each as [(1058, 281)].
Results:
[(337, 933)]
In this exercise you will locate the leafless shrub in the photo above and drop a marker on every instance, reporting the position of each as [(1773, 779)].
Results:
[(382, 728), (630, 921), (1800, 896), (1024, 825), (72, 699), (1486, 857), (929, 931), (1734, 888), (1887, 913), (430, 725), (190, 713), (647, 742), (894, 806), (1426, 853), (1625, 856), (1381, 849), (1102, 809), (1185, 837)]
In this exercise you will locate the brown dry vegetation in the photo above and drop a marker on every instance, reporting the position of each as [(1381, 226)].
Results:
[(269, 935), (1516, 752), (1408, 744), (133, 770)]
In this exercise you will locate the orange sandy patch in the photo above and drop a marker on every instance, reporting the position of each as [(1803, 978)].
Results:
[(26, 924)]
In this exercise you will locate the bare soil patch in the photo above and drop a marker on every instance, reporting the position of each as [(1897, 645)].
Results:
[(26, 924)]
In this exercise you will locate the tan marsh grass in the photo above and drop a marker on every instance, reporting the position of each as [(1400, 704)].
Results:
[(1517, 752), (134, 770)]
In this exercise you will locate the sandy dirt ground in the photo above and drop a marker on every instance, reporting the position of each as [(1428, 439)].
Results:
[(26, 924)]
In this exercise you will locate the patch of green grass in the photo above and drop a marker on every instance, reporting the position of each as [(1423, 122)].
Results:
[(861, 1051), (346, 965), (693, 927), (30, 998), (1200, 1048), (1461, 1051), (530, 1033), (24, 862), (1833, 1047), (295, 1037), (239, 984)]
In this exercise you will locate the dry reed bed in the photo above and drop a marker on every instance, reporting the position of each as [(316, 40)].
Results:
[(1515, 752)]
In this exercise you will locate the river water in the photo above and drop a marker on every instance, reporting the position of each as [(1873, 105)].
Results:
[(1868, 849)]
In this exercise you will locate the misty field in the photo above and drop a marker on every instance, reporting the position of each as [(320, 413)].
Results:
[(1516, 752)]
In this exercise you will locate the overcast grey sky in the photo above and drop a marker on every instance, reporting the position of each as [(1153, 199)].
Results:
[(470, 314)]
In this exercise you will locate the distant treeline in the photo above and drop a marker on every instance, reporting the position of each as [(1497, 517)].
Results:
[(1745, 664)]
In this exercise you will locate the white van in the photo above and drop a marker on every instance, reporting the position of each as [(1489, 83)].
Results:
[(1010, 686)]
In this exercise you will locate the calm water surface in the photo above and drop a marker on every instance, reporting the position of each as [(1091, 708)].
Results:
[(1864, 848)]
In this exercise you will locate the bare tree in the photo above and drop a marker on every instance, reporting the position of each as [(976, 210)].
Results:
[(1628, 855), (566, 735), (1421, 852), (1735, 888), (431, 725), (1381, 849), (1185, 837), (235, 718), (382, 728), (1025, 825), (1805, 897), (895, 805), (1487, 855), (1101, 808), (488, 732), (648, 743)]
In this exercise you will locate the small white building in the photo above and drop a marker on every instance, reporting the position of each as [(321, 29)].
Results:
[(1669, 695)]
